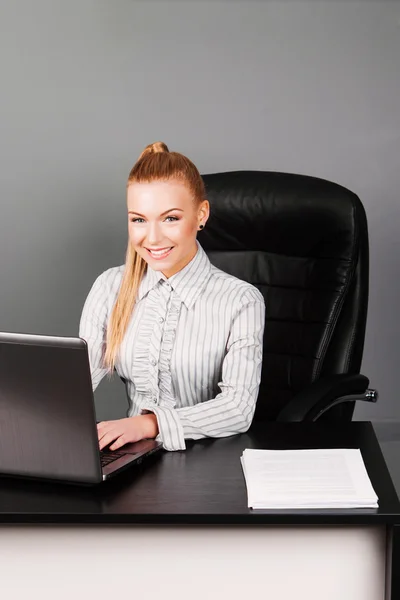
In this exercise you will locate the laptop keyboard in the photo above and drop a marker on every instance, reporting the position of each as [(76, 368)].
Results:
[(107, 457)]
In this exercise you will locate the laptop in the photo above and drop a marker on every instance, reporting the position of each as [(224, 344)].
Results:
[(48, 426)]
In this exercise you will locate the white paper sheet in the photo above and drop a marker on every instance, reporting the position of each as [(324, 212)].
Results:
[(329, 478)]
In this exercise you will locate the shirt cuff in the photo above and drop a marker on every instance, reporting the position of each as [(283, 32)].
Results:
[(169, 427)]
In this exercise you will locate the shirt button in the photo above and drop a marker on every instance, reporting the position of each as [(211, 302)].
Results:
[(161, 320), (153, 362)]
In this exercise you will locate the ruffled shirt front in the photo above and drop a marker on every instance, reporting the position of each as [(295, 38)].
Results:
[(192, 352)]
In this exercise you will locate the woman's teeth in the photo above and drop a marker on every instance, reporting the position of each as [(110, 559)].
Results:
[(160, 253)]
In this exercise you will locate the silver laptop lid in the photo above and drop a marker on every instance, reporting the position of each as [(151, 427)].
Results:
[(47, 416)]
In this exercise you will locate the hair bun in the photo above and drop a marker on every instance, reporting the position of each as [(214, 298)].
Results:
[(154, 149)]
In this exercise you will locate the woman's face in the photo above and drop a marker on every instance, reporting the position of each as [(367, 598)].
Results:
[(163, 222)]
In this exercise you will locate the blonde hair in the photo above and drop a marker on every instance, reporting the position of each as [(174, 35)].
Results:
[(156, 163)]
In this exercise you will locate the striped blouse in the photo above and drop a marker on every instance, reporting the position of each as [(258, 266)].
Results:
[(192, 352)]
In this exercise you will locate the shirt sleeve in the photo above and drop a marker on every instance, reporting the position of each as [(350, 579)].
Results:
[(93, 326), (231, 411)]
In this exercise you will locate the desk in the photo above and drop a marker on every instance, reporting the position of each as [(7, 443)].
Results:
[(178, 527)]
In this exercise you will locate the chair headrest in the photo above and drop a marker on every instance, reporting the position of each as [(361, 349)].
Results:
[(282, 213)]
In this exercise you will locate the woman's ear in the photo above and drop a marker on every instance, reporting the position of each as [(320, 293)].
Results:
[(204, 211)]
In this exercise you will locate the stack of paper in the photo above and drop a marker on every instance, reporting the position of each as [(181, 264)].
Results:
[(333, 478)]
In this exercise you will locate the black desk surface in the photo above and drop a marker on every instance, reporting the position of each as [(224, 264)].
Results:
[(202, 485)]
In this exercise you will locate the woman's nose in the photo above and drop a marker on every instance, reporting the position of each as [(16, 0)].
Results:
[(153, 234)]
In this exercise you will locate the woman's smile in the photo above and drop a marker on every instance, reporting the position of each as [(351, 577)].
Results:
[(160, 254)]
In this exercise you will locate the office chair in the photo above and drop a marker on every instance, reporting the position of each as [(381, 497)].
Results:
[(303, 242)]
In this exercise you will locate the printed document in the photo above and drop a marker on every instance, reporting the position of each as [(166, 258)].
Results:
[(284, 479)]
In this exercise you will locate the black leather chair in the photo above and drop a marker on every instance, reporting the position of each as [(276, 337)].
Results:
[(303, 242)]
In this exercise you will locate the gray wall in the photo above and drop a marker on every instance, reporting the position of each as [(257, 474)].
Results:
[(308, 87)]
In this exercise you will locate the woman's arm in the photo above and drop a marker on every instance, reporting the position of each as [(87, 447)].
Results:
[(232, 410), (92, 327)]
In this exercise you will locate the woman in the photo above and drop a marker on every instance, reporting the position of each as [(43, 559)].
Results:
[(185, 336)]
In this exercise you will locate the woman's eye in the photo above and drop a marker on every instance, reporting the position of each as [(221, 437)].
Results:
[(140, 220)]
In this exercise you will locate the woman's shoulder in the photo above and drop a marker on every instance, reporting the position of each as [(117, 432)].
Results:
[(245, 292), (110, 279)]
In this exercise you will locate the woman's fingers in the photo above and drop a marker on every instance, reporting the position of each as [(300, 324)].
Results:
[(107, 432), (121, 441), (108, 438), (121, 432)]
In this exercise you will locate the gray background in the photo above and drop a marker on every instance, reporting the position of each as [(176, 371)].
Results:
[(309, 87)]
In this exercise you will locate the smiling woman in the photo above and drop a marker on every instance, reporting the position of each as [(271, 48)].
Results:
[(185, 336)]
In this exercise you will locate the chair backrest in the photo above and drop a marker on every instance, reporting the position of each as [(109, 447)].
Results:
[(303, 242)]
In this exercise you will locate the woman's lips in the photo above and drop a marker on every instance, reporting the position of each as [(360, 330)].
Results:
[(159, 255)]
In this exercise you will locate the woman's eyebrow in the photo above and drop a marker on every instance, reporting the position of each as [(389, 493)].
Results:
[(162, 214)]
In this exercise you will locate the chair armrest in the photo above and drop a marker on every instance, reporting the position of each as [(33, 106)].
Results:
[(325, 393)]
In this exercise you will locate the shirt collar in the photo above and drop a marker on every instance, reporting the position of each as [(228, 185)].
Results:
[(187, 283)]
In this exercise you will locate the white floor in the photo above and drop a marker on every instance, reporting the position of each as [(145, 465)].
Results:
[(177, 563)]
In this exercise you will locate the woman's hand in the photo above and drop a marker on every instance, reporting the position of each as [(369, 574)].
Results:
[(125, 431)]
